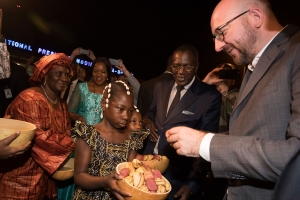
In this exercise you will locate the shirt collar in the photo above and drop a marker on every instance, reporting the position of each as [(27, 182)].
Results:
[(75, 81), (186, 87), (257, 57)]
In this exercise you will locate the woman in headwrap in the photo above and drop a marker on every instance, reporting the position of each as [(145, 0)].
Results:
[(29, 176)]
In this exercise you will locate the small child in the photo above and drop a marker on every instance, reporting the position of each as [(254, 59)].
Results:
[(135, 123), (100, 148)]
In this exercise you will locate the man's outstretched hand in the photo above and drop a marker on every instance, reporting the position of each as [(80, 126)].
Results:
[(186, 141)]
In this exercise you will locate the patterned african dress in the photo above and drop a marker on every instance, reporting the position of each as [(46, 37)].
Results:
[(29, 176), (105, 156), (226, 109)]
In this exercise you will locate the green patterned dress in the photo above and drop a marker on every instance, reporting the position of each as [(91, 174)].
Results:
[(226, 109), (105, 156)]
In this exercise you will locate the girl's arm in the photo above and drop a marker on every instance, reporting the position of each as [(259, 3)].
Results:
[(132, 156), (88, 182), (84, 180)]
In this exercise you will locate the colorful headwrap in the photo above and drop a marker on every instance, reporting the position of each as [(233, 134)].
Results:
[(47, 63)]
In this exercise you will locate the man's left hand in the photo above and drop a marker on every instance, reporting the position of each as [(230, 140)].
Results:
[(186, 141), (184, 193)]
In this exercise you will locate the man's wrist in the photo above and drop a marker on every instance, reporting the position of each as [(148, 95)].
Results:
[(204, 149)]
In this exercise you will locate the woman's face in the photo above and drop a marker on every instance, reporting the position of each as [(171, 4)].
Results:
[(58, 79), (99, 73), (135, 123)]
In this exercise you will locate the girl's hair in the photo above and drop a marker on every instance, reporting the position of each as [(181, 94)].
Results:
[(115, 88), (106, 63), (137, 112)]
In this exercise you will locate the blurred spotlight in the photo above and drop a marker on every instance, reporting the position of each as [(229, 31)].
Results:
[(18, 6), (39, 23)]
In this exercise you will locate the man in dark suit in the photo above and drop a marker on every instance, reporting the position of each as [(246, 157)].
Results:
[(265, 122), (147, 87), (198, 106)]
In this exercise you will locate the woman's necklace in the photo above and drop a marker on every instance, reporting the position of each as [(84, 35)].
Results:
[(54, 102)]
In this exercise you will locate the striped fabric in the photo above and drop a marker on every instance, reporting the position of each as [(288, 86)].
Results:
[(29, 176)]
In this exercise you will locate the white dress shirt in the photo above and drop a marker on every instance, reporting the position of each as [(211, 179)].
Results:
[(172, 95), (72, 87)]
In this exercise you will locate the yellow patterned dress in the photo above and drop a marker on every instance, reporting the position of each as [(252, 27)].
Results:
[(105, 156)]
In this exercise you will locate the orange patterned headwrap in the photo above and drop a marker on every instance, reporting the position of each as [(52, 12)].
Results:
[(47, 63)]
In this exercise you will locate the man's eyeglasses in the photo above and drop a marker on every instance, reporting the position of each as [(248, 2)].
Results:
[(219, 35), (184, 67)]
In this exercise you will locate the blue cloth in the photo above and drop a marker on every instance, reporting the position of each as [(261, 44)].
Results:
[(86, 103), (66, 188)]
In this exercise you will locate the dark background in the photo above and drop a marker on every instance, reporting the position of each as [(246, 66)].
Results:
[(143, 33)]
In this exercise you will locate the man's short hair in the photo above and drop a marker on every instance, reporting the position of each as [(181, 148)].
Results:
[(189, 48)]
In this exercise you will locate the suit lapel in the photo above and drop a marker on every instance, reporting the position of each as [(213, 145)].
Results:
[(163, 99), (262, 66), (271, 55), (187, 99)]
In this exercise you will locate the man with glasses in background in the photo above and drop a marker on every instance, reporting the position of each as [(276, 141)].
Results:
[(265, 122), (183, 101)]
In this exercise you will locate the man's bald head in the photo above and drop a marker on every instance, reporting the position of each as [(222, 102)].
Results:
[(243, 28), (227, 9)]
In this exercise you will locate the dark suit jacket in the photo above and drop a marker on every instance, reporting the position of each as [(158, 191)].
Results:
[(288, 185), (199, 108), (17, 82), (265, 122), (146, 92)]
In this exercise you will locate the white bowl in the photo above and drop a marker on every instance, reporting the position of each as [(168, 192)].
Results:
[(65, 171), (10, 126), (160, 165)]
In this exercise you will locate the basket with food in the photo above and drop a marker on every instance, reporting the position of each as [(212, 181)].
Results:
[(142, 181), (158, 162)]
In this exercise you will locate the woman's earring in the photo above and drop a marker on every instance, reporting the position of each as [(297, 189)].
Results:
[(101, 115)]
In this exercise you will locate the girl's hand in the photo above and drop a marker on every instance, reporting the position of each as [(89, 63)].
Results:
[(112, 186), (149, 125)]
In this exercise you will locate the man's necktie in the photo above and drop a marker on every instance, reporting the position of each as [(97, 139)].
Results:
[(176, 98), (67, 92)]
